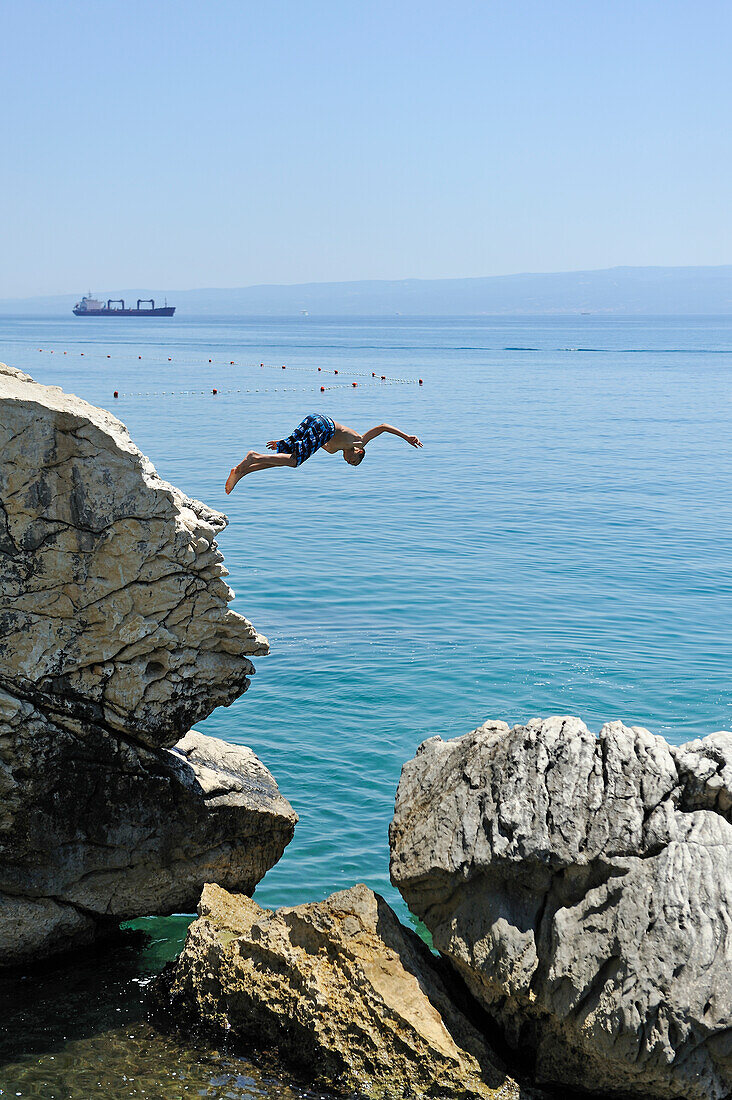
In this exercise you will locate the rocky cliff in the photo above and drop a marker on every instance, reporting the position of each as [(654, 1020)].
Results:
[(582, 887), (115, 637)]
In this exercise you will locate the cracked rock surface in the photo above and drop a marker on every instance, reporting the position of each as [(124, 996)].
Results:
[(115, 636), (582, 887), (341, 989)]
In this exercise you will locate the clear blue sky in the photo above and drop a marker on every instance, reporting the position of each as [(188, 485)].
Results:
[(223, 143)]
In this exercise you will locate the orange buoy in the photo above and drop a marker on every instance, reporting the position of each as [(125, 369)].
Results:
[(209, 360), (214, 391), (354, 384), (284, 367), (116, 394), (420, 381), (108, 357), (139, 357), (335, 372), (322, 389), (231, 364), (383, 378), (169, 359), (81, 353), (320, 368), (373, 374)]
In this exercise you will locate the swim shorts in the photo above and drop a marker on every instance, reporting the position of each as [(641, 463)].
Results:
[(308, 437)]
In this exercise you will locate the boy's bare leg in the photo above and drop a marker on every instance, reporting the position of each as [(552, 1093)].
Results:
[(256, 461)]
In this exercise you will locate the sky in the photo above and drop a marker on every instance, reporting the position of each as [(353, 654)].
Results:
[(175, 145)]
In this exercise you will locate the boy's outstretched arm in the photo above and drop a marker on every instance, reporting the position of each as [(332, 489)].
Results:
[(381, 428)]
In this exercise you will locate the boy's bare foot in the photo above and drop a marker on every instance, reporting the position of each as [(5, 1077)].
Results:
[(237, 473), (231, 480)]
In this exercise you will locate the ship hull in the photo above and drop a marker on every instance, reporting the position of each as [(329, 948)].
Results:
[(161, 311)]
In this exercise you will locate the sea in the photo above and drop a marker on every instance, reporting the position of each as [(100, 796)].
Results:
[(560, 545)]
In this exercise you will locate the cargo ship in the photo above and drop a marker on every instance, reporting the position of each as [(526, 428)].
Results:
[(115, 307)]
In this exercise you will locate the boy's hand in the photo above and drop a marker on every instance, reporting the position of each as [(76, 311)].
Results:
[(272, 445), (414, 441)]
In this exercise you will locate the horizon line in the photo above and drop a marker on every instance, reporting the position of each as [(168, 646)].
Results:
[(407, 279)]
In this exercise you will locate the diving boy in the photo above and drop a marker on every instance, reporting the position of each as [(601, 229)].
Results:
[(314, 432)]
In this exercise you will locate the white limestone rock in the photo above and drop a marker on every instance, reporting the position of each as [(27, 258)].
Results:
[(113, 595), (115, 636), (582, 887)]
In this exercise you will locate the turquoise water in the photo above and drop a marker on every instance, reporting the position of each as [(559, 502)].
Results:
[(560, 545)]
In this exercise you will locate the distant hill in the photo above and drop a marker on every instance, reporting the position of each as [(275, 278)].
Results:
[(617, 290)]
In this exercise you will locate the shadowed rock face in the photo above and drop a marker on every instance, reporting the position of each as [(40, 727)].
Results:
[(115, 636), (582, 886), (341, 989)]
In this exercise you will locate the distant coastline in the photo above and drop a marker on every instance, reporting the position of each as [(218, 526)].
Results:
[(620, 291)]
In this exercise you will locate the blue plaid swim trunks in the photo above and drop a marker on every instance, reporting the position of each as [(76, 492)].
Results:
[(308, 437)]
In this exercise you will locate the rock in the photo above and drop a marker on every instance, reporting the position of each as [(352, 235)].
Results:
[(115, 636), (582, 887), (340, 988), (114, 602)]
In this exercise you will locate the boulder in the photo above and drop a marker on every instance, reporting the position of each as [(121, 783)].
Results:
[(113, 599), (582, 887), (115, 636), (340, 989)]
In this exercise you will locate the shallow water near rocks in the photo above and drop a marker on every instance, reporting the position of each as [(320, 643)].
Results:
[(79, 1028), (560, 545)]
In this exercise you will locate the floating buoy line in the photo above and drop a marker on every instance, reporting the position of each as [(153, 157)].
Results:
[(216, 391), (120, 357)]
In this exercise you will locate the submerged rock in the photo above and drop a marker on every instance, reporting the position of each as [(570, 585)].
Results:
[(115, 636), (582, 887), (340, 989)]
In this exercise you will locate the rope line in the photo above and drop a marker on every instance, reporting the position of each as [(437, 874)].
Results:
[(215, 363), (216, 391)]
